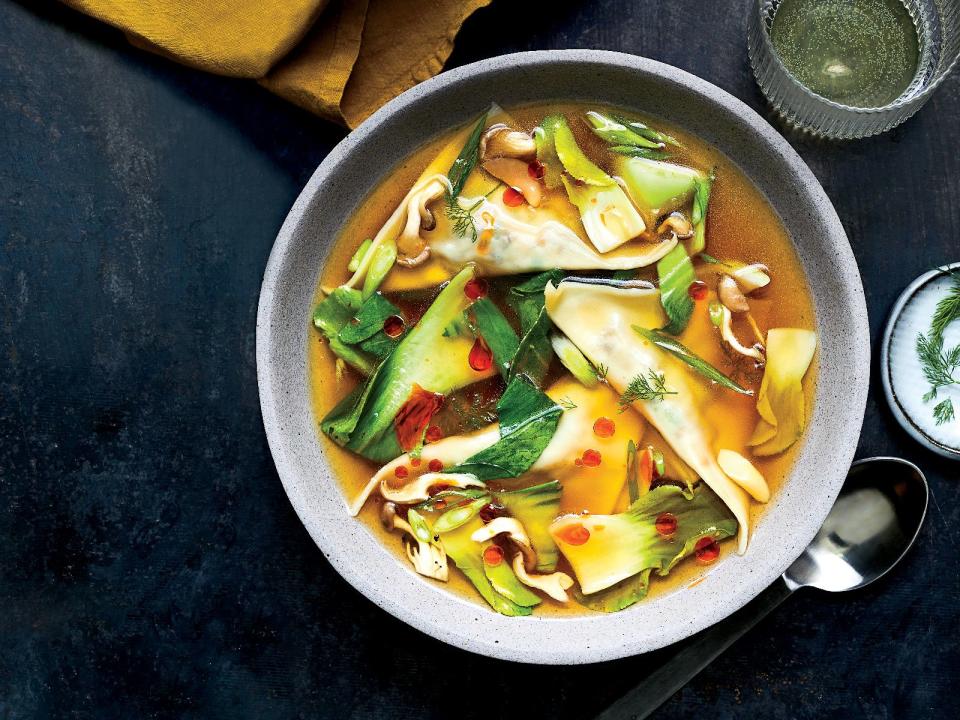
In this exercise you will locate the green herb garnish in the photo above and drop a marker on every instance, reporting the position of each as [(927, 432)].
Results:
[(686, 355), (940, 366), (466, 161), (649, 387)]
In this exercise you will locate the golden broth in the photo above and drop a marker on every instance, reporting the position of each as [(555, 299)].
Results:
[(741, 226)]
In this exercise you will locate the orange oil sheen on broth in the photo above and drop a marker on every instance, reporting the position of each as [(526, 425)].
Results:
[(741, 226)]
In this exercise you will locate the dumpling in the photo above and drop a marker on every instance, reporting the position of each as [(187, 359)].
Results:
[(597, 318)]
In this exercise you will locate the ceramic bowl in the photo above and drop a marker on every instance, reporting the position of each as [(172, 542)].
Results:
[(367, 155)]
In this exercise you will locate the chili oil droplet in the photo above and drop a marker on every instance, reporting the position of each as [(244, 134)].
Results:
[(475, 288), (512, 197), (707, 550), (480, 357), (393, 326), (434, 465), (493, 556), (575, 534), (591, 458), (697, 290), (666, 524), (604, 427)]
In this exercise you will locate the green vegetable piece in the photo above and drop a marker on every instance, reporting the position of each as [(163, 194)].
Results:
[(497, 333), (571, 156), (630, 548), (676, 275), (608, 216), (420, 526), (504, 581), (452, 519), (686, 355), (535, 508), (467, 159), (547, 154), (573, 360), (631, 151), (381, 263), (659, 464), (358, 256), (647, 131), (616, 133), (534, 352), (330, 316), (528, 419), (448, 497), (656, 187), (633, 472), (369, 320), (698, 216), (467, 556), (364, 421), (716, 313)]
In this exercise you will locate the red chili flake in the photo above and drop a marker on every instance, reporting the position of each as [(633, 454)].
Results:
[(697, 290), (493, 556), (414, 416), (591, 458), (480, 357), (434, 433), (604, 427), (575, 534), (475, 288), (707, 551), (666, 524), (536, 170), (393, 326), (415, 461), (434, 465), (513, 197), (578, 462), (401, 471)]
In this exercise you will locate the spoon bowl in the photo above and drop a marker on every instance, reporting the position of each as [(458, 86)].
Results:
[(874, 521), (871, 526)]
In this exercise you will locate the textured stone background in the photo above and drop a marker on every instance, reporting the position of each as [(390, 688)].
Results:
[(150, 564)]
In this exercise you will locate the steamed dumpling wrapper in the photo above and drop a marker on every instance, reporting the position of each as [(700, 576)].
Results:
[(598, 319), (510, 240)]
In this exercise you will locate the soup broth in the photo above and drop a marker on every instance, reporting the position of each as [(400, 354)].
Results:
[(741, 229)]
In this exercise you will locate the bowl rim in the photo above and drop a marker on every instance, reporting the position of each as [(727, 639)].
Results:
[(538, 639)]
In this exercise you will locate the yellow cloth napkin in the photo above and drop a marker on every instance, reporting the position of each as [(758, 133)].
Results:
[(341, 59)]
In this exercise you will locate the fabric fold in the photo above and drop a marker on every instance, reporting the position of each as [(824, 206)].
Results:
[(341, 59)]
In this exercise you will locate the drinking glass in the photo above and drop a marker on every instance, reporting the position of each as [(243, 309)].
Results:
[(938, 30)]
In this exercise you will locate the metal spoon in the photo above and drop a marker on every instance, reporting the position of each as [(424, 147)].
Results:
[(871, 526)]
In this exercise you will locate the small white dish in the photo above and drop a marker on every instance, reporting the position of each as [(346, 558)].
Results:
[(901, 370)]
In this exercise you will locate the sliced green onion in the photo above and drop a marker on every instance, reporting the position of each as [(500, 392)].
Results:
[(686, 355), (452, 519), (716, 313), (633, 472), (676, 274), (358, 256), (419, 525), (659, 465), (381, 263)]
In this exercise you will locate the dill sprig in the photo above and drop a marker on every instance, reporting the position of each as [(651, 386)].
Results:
[(567, 404), (652, 386), (940, 366), (602, 371), (461, 217), (948, 308)]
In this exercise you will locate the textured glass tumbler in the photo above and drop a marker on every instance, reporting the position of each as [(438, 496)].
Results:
[(938, 28)]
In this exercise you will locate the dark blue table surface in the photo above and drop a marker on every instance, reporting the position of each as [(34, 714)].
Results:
[(150, 563)]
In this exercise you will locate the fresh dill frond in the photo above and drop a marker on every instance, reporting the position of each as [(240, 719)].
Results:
[(567, 404), (602, 371), (938, 365), (649, 387), (461, 217), (943, 412), (948, 308)]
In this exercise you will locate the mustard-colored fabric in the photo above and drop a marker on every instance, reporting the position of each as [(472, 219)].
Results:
[(341, 59)]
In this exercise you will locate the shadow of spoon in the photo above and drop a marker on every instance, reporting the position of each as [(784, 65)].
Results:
[(871, 526)]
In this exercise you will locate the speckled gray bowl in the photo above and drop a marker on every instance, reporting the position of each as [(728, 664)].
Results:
[(390, 135)]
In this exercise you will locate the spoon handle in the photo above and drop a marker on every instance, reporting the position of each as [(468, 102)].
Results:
[(692, 656)]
